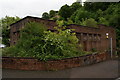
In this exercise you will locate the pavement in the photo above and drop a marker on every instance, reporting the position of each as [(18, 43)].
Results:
[(106, 69)]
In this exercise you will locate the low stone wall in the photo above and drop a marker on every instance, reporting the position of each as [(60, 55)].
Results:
[(35, 64)]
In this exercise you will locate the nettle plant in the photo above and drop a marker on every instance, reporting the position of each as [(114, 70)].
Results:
[(36, 41)]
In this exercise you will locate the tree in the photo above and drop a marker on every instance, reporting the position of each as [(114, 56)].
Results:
[(103, 20), (113, 17), (36, 41), (5, 26), (65, 11), (75, 6), (94, 6), (28, 44), (79, 15), (52, 13), (45, 15), (62, 23), (89, 22)]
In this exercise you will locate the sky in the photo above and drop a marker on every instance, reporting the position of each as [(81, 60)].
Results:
[(22, 8)]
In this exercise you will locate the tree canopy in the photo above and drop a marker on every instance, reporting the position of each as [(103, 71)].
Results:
[(65, 11), (5, 27), (107, 13), (45, 15)]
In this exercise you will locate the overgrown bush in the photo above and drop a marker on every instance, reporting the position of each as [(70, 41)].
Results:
[(36, 41)]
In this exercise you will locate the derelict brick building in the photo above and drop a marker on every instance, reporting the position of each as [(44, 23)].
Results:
[(89, 38)]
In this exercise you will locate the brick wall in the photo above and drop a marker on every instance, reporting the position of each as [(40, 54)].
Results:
[(16, 27), (98, 37), (35, 64), (88, 37)]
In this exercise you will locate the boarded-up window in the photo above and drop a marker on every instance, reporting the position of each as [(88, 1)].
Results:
[(78, 36), (84, 36), (85, 45)]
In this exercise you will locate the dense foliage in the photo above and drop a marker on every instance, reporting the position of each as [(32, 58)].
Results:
[(5, 28), (89, 22), (45, 15), (91, 14), (45, 44)]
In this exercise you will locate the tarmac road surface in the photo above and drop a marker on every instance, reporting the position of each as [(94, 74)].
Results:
[(106, 69)]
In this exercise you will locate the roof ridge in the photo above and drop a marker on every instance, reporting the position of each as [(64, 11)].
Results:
[(30, 17)]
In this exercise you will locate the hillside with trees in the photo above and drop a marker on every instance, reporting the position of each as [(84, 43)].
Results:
[(90, 14)]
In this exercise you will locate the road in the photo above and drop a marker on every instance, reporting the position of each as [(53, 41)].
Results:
[(106, 69)]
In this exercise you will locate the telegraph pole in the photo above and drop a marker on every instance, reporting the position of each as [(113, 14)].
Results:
[(110, 44), (111, 49)]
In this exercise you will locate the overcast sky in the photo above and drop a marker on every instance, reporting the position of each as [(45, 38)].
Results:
[(35, 8)]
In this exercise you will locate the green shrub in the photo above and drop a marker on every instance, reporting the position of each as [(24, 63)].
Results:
[(94, 50), (10, 51), (36, 41)]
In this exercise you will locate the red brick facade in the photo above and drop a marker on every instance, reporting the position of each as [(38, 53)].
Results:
[(88, 37), (35, 64)]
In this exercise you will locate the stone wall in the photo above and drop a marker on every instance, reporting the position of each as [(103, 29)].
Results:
[(35, 64)]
